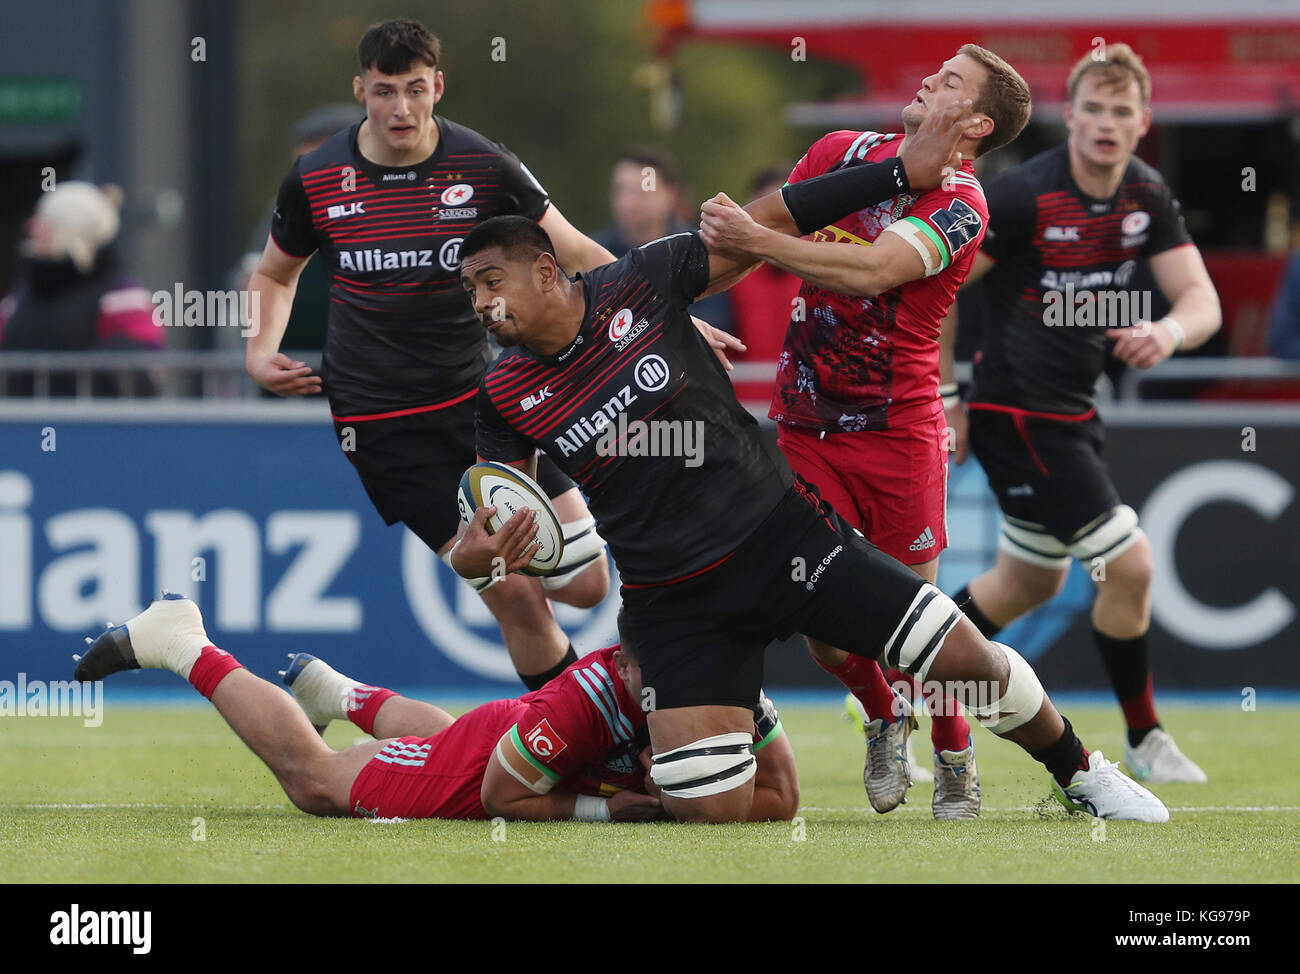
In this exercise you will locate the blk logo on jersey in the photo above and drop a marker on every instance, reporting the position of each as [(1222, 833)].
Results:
[(535, 399), (543, 741), (352, 209), (457, 195)]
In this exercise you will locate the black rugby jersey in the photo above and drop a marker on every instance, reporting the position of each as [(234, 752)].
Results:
[(401, 333), (638, 379), (1050, 239)]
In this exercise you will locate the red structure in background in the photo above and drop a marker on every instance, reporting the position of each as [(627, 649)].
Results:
[(1211, 62)]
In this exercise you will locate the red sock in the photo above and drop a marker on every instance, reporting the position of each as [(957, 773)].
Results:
[(949, 730), (212, 666), (367, 701), (864, 680), (1140, 711)]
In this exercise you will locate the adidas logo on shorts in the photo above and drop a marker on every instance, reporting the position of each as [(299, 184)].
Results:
[(926, 540)]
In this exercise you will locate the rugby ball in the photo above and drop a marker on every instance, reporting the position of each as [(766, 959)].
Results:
[(510, 490)]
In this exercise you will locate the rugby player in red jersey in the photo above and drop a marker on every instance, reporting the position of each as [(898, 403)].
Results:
[(857, 400), (1069, 225), (575, 749), (723, 549)]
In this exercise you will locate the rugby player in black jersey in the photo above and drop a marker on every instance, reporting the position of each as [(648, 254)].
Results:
[(1066, 230), (721, 549), (387, 203)]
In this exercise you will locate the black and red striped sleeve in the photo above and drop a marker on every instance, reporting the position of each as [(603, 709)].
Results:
[(291, 226), (494, 438)]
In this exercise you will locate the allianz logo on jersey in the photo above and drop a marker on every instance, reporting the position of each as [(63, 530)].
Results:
[(587, 428), (352, 209), (388, 260), (1053, 280)]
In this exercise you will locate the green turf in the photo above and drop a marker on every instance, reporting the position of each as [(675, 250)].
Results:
[(119, 803)]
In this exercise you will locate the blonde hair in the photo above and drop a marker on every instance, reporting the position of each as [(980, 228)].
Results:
[(1119, 65), (1004, 97)]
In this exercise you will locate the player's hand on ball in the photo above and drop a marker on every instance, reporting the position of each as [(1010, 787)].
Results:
[(479, 554), (632, 806), (933, 147), (726, 227), (282, 375)]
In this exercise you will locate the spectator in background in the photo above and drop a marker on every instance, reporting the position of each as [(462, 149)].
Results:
[(306, 328), (761, 306), (71, 293), (645, 201), (1284, 329)]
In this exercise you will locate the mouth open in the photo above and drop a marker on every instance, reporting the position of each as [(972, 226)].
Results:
[(1107, 144)]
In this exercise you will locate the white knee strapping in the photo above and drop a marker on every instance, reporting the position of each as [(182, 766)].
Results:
[(1031, 543), (479, 585), (1021, 701), (916, 641), (1109, 536), (706, 767), (582, 546)]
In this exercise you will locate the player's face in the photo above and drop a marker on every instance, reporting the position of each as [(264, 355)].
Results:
[(400, 106), (640, 202), (504, 295), (960, 77), (1106, 122), (629, 671)]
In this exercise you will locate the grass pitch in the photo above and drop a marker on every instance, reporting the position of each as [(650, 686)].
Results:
[(171, 795)]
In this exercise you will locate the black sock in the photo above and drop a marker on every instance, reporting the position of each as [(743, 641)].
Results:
[(1063, 758), (966, 602), (1130, 674), (536, 681)]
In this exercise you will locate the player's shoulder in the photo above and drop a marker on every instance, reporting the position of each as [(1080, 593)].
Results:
[(333, 152), (460, 139), (1046, 172), (510, 361), (1146, 182), (847, 145)]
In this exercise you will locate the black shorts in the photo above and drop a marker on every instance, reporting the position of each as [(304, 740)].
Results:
[(804, 569), (411, 467), (1044, 472)]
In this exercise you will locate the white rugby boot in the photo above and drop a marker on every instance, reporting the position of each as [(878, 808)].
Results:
[(1157, 761), (1104, 791), (956, 785)]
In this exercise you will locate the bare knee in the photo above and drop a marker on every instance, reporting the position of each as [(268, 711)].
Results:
[(588, 589), (1034, 585), (730, 806), (311, 789), (1131, 572), (519, 603)]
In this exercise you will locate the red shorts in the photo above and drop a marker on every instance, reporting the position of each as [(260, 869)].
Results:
[(892, 484), (434, 777)]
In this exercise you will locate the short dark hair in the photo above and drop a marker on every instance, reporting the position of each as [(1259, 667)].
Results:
[(661, 162), (395, 45), (518, 237)]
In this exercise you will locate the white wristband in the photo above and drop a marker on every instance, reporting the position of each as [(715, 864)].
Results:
[(1180, 336), (587, 808)]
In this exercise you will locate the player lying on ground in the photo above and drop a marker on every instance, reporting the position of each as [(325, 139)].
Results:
[(575, 749), (719, 557)]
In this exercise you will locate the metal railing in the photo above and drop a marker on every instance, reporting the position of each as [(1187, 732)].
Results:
[(193, 374)]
